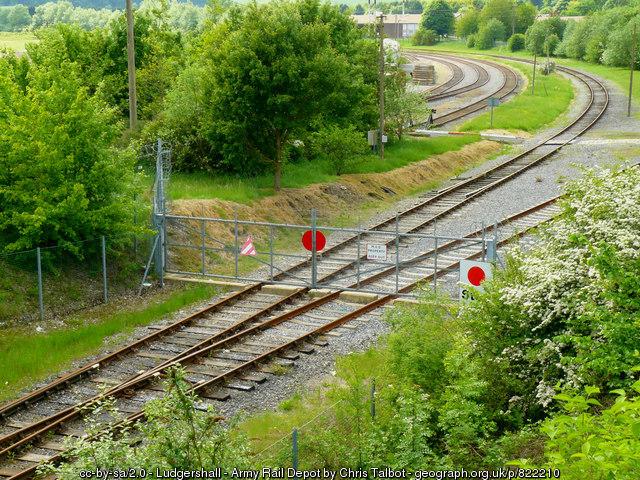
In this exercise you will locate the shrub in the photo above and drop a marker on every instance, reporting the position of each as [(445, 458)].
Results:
[(471, 41), (493, 30), (562, 313), (424, 37), (61, 181), (584, 444), (516, 42), (341, 147), (176, 435)]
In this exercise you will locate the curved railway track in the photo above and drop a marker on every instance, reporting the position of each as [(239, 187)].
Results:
[(54, 407), (446, 90)]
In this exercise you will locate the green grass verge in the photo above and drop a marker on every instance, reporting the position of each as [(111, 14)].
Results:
[(617, 75), (27, 357), (296, 175), (528, 112), (15, 40)]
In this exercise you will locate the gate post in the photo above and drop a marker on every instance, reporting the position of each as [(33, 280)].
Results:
[(236, 247), (435, 265), (358, 262), (314, 257), (203, 232), (397, 253), (271, 253)]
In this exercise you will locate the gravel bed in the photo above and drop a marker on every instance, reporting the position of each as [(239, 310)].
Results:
[(534, 186)]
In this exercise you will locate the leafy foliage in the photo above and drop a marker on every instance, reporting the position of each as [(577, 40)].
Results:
[(490, 32), (61, 182), (177, 434), (587, 444), (424, 37), (438, 16), (342, 147), (516, 42), (266, 76)]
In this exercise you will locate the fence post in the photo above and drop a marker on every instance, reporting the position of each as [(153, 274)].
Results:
[(314, 256), (40, 295), (397, 253), (358, 263), (203, 243), (294, 446), (484, 242), (373, 398), (435, 265), (105, 286), (235, 234), (271, 253)]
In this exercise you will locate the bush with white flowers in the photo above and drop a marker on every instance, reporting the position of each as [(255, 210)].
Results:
[(567, 313)]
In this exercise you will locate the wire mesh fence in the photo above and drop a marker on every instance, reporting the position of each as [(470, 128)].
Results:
[(50, 282)]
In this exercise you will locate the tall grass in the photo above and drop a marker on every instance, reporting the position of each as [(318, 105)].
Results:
[(27, 357), (296, 175), (528, 112)]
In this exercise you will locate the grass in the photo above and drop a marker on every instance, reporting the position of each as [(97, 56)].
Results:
[(15, 40), (297, 175), (527, 112), (27, 357), (617, 75)]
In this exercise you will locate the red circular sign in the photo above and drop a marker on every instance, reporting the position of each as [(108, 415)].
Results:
[(321, 240), (475, 275)]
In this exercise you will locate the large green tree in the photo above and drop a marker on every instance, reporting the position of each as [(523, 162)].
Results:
[(60, 180), (268, 75), (438, 16), (502, 10)]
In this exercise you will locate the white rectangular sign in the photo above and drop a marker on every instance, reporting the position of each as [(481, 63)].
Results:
[(472, 274), (376, 251)]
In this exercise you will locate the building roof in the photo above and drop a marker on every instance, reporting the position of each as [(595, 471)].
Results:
[(389, 18)]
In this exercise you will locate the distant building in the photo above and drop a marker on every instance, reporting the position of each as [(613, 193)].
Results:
[(396, 25)]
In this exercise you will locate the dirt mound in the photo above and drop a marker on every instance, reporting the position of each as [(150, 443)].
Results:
[(342, 199)]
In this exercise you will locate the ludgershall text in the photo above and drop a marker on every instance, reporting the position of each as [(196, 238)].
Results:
[(319, 473)]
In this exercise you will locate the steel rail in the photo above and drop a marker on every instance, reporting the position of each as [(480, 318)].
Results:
[(262, 357), (90, 367)]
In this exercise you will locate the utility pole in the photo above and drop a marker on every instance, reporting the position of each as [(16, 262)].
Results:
[(633, 66), (533, 81), (381, 85), (131, 66)]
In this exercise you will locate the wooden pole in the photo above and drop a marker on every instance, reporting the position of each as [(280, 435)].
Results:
[(381, 86), (633, 66), (131, 66), (533, 81)]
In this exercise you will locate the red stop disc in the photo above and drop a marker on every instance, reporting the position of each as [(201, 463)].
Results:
[(321, 240)]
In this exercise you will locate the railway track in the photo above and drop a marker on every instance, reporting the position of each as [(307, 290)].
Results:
[(508, 86), (446, 90), (287, 335), (53, 408)]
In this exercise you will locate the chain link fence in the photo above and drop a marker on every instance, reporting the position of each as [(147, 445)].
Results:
[(49, 282)]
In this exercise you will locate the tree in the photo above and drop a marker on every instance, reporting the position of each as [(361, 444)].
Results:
[(424, 37), (60, 180), (14, 19), (438, 16), (502, 10), (489, 33), (525, 16), (536, 36), (275, 72), (516, 42), (341, 147), (403, 108), (467, 22), (359, 10)]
